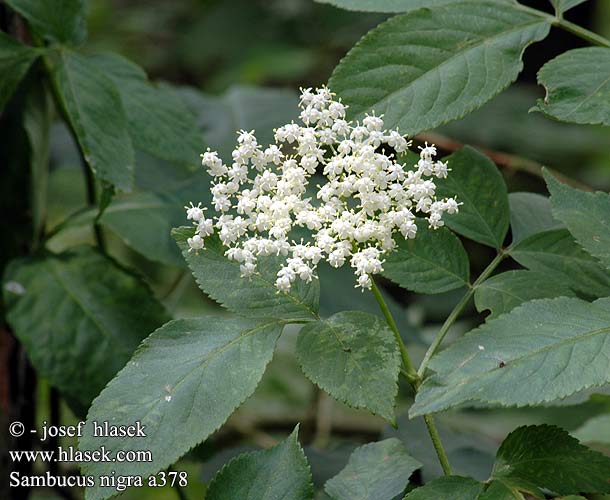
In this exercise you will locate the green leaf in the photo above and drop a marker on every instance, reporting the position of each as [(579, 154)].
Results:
[(475, 181), (563, 5), (430, 66), (375, 471), (37, 122), (255, 297), (586, 215), (63, 21), (15, 60), (497, 490), (556, 253), (453, 487), (392, 6), (182, 384), (353, 356), (144, 220), (544, 456), (80, 317), (530, 213), (433, 262), (93, 107), (279, 473), (503, 292), (157, 118), (595, 430), (541, 351), (577, 86)]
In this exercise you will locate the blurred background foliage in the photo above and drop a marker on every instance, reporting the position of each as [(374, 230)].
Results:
[(237, 64)]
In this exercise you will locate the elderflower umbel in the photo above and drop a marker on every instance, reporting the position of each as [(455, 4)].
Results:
[(366, 199)]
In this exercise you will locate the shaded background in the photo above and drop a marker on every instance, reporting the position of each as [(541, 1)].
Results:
[(226, 56)]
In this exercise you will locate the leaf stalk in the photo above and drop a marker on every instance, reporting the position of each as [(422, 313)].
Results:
[(458, 309), (438, 445), (579, 31), (404, 354), (411, 375)]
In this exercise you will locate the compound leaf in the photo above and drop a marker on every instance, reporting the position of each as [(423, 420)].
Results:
[(429, 66), (375, 471), (544, 456), (278, 473), (541, 351), (157, 118), (255, 297), (555, 253), (433, 262), (80, 317), (353, 356), (144, 220), (474, 181), (95, 112), (503, 292), (586, 215), (577, 86), (183, 382)]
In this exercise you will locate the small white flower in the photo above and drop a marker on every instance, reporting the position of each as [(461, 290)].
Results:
[(214, 164), (205, 227), (194, 213), (195, 242), (273, 154), (368, 197)]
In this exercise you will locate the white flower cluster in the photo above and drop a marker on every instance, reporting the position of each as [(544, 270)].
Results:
[(367, 196)]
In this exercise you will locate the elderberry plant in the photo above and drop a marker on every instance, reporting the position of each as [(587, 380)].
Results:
[(269, 236)]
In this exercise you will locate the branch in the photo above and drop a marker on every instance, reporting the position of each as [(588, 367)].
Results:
[(512, 163)]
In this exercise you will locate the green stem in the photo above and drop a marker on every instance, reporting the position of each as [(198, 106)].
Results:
[(410, 371), (456, 312), (575, 29), (438, 445), (585, 34), (89, 180), (92, 201)]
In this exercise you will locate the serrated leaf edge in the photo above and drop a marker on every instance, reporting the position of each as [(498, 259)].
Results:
[(201, 284), (390, 418), (251, 454), (84, 466), (496, 402), (474, 104)]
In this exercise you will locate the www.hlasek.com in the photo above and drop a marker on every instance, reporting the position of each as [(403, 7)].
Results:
[(71, 454)]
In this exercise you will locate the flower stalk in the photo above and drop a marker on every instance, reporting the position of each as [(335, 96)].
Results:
[(410, 373), (413, 378)]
